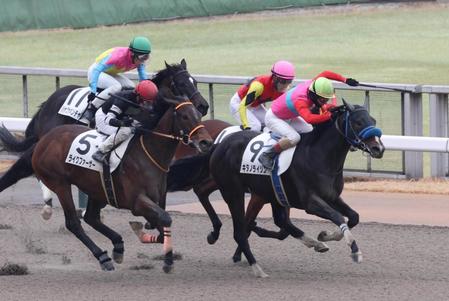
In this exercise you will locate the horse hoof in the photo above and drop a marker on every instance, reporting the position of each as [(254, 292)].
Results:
[(258, 272), (107, 266), (357, 257), (117, 257), (211, 239), (236, 258), (46, 212), (167, 268), (323, 236), (321, 248)]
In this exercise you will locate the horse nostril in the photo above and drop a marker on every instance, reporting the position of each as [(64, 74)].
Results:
[(378, 151)]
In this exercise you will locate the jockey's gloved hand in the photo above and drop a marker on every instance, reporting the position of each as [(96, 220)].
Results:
[(91, 96), (127, 121), (327, 106), (352, 82), (115, 122)]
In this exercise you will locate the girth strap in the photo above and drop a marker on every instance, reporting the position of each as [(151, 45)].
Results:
[(107, 183)]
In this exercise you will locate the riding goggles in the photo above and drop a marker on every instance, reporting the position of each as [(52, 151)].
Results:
[(143, 57), (284, 81)]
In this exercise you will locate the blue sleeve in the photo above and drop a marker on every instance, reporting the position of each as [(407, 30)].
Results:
[(142, 73), (101, 67)]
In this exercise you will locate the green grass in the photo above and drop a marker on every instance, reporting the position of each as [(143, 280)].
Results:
[(391, 44)]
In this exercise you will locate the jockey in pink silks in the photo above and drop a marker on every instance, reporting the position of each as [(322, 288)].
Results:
[(291, 113)]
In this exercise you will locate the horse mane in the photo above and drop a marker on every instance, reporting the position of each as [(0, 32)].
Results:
[(315, 135), (320, 128), (164, 73)]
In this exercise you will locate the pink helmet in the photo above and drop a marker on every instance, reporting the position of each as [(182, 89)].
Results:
[(283, 69)]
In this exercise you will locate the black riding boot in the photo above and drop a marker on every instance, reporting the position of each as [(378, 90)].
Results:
[(89, 113), (267, 158), (100, 157)]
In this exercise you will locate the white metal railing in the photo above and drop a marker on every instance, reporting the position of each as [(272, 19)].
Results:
[(411, 115)]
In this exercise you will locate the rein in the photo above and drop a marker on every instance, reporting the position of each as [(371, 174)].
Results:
[(185, 139), (364, 133)]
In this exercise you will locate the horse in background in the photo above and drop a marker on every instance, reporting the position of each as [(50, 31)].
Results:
[(140, 180), (173, 81)]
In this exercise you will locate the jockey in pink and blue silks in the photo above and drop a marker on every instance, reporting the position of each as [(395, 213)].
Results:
[(105, 72), (291, 113)]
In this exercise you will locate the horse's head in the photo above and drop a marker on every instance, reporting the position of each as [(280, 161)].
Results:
[(175, 80), (186, 125), (359, 128)]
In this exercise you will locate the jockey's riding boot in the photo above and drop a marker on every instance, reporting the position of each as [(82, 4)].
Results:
[(89, 113), (267, 157), (100, 156)]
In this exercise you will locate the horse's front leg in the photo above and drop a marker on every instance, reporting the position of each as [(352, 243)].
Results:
[(345, 210), (92, 217), (282, 220), (317, 206), (145, 207)]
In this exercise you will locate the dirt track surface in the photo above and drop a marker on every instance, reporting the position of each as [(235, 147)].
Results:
[(400, 263)]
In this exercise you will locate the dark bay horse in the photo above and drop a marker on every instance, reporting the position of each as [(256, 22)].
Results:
[(174, 80), (198, 178), (140, 180), (313, 182), (184, 176)]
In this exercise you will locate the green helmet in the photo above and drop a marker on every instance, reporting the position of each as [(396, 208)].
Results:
[(322, 87), (140, 45)]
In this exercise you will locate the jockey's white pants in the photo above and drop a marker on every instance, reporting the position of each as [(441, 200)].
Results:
[(255, 115), (289, 128), (116, 135), (110, 83)]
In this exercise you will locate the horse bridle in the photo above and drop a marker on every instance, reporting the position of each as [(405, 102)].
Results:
[(174, 88), (365, 133), (184, 138)]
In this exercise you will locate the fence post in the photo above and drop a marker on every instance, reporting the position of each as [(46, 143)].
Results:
[(211, 101), (367, 104), (438, 128), (412, 119), (25, 95)]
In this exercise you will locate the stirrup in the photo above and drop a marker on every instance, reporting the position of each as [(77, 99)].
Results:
[(267, 161), (89, 113), (100, 157)]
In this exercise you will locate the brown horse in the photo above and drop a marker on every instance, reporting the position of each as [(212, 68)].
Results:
[(140, 180)]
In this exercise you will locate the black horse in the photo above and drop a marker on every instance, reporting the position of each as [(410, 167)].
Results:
[(173, 81), (313, 182)]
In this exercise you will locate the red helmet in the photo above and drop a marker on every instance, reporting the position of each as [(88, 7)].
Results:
[(147, 90)]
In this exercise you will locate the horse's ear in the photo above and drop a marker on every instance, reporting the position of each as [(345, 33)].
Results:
[(184, 64), (167, 66), (349, 106)]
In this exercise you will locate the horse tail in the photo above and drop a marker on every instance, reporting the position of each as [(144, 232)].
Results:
[(12, 144), (186, 172)]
